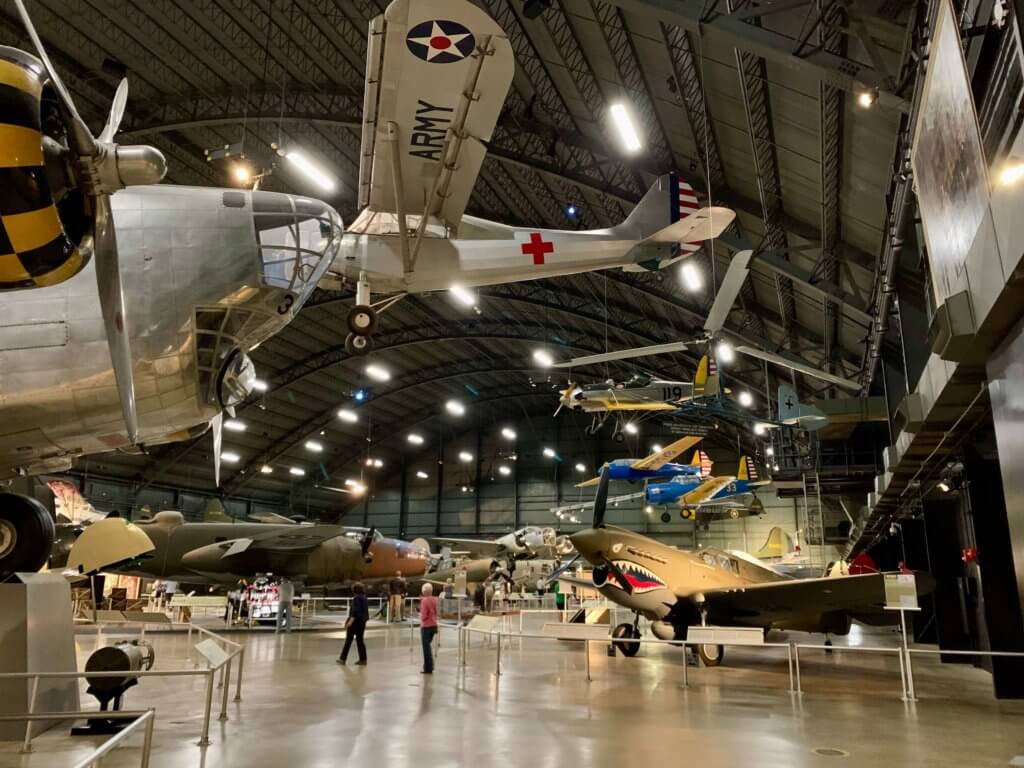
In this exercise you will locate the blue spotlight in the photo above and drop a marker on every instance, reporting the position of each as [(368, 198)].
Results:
[(360, 395)]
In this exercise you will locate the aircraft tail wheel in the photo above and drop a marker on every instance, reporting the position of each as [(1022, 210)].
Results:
[(26, 534), (358, 345), (627, 631), (711, 655), (362, 319)]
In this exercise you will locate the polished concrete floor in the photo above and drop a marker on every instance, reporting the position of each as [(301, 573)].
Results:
[(301, 709)]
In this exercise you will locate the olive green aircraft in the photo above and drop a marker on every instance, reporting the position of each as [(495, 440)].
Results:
[(677, 589)]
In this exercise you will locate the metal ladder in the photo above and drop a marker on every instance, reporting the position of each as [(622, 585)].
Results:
[(813, 522)]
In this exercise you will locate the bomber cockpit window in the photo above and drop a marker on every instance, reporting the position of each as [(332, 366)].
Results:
[(298, 238)]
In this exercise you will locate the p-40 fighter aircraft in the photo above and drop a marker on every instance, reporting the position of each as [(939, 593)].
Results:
[(676, 589), (437, 75), (208, 274)]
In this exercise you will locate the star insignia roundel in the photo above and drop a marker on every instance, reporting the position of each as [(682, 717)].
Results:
[(440, 42)]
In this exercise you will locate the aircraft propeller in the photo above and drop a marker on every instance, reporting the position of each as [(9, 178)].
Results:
[(103, 168), (364, 545), (739, 266), (601, 501), (563, 568), (615, 571), (217, 430)]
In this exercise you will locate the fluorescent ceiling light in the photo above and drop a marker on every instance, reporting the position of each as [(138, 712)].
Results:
[(314, 445), (624, 125), (377, 372), (543, 358), (415, 439), (463, 295), (692, 278), (455, 408), (508, 433), (234, 425), (347, 414), (465, 457), (549, 452), (724, 352), (356, 486), (266, 469), (297, 471), (230, 457), (581, 467), (631, 428), (505, 470), (746, 399), (770, 451), (421, 474), (866, 99), (259, 385), (311, 170)]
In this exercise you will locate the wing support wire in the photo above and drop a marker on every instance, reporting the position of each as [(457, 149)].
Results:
[(452, 146)]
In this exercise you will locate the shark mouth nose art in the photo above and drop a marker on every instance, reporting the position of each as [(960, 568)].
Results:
[(640, 579)]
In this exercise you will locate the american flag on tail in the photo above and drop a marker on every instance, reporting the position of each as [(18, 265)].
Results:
[(683, 200), (751, 469), (705, 465)]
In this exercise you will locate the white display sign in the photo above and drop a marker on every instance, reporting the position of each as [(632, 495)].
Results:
[(212, 652), (900, 591)]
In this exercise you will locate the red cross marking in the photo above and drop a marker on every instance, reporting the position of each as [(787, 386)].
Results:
[(537, 247)]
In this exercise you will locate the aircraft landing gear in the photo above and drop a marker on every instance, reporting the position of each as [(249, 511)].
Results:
[(26, 534), (828, 644), (711, 655), (362, 319), (628, 632)]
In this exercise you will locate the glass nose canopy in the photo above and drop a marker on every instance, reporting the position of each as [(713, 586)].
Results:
[(298, 238)]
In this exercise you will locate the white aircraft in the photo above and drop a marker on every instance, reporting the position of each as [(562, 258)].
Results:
[(437, 75), (528, 542)]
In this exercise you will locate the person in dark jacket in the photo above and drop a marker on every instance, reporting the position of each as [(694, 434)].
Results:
[(359, 614)]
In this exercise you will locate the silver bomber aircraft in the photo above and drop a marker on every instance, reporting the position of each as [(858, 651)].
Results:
[(190, 280)]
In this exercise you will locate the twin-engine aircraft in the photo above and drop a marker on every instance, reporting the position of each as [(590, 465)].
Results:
[(525, 543), (437, 75), (677, 589)]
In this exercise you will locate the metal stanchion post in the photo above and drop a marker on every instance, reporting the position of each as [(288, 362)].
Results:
[(147, 740), (586, 653), (686, 671), (903, 677), (789, 661), (227, 689), (204, 740), (241, 666), (27, 746), (911, 694), (497, 661), (796, 668)]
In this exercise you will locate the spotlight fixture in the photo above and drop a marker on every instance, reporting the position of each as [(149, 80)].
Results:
[(347, 414), (724, 352), (259, 385), (234, 425), (309, 169), (746, 399), (775, 467), (631, 428), (570, 211), (241, 173), (692, 278), (230, 457), (1011, 172), (944, 486), (867, 98), (623, 123), (455, 408), (465, 488), (760, 429), (360, 395), (378, 463), (377, 372), (549, 452), (465, 457), (266, 469), (463, 295), (581, 467), (415, 439), (314, 445), (297, 471), (508, 433), (505, 470), (769, 451), (656, 448), (543, 358), (421, 474), (648, 509)]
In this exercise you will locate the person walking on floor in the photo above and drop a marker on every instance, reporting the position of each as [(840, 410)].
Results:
[(285, 595), (428, 627), (355, 625)]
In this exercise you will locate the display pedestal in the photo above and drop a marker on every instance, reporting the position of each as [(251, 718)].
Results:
[(36, 635)]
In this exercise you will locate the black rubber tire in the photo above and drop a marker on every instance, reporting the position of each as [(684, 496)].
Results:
[(629, 650), (27, 536), (362, 319), (711, 659), (358, 345)]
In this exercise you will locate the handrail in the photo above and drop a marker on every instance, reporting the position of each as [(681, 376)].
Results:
[(148, 718)]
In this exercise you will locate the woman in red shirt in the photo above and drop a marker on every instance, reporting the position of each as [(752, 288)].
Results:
[(428, 626)]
